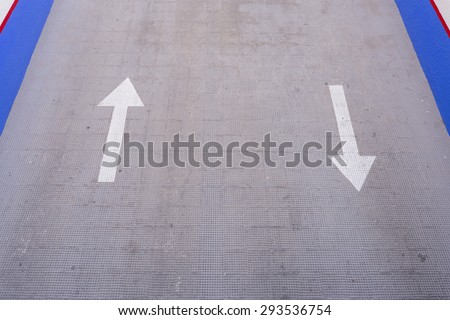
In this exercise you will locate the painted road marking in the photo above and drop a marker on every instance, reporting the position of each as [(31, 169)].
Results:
[(6, 9), (121, 98), (357, 167), (442, 8), (432, 46), (17, 43)]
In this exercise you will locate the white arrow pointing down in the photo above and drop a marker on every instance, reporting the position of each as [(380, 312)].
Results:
[(121, 98), (357, 167)]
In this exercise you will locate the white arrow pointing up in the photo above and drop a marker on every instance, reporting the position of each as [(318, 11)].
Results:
[(121, 98), (357, 167)]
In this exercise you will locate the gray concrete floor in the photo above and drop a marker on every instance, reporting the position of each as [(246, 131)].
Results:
[(226, 70)]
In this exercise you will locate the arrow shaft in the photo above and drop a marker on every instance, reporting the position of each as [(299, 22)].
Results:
[(117, 126), (116, 131), (343, 119)]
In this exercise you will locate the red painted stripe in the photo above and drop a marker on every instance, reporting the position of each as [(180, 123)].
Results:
[(446, 27), (8, 15)]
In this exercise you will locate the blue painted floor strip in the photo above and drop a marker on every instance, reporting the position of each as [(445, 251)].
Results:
[(432, 45), (17, 43)]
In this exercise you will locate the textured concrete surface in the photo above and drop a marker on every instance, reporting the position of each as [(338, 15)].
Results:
[(227, 70)]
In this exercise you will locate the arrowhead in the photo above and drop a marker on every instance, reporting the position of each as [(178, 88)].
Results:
[(124, 95), (357, 168)]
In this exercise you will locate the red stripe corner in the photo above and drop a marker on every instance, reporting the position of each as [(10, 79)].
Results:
[(2, 26), (446, 27)]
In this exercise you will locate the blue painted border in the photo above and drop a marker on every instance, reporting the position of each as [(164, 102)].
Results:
[(432, 45), (17, 43)]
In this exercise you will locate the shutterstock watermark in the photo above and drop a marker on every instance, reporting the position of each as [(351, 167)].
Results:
[(212, 154)]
